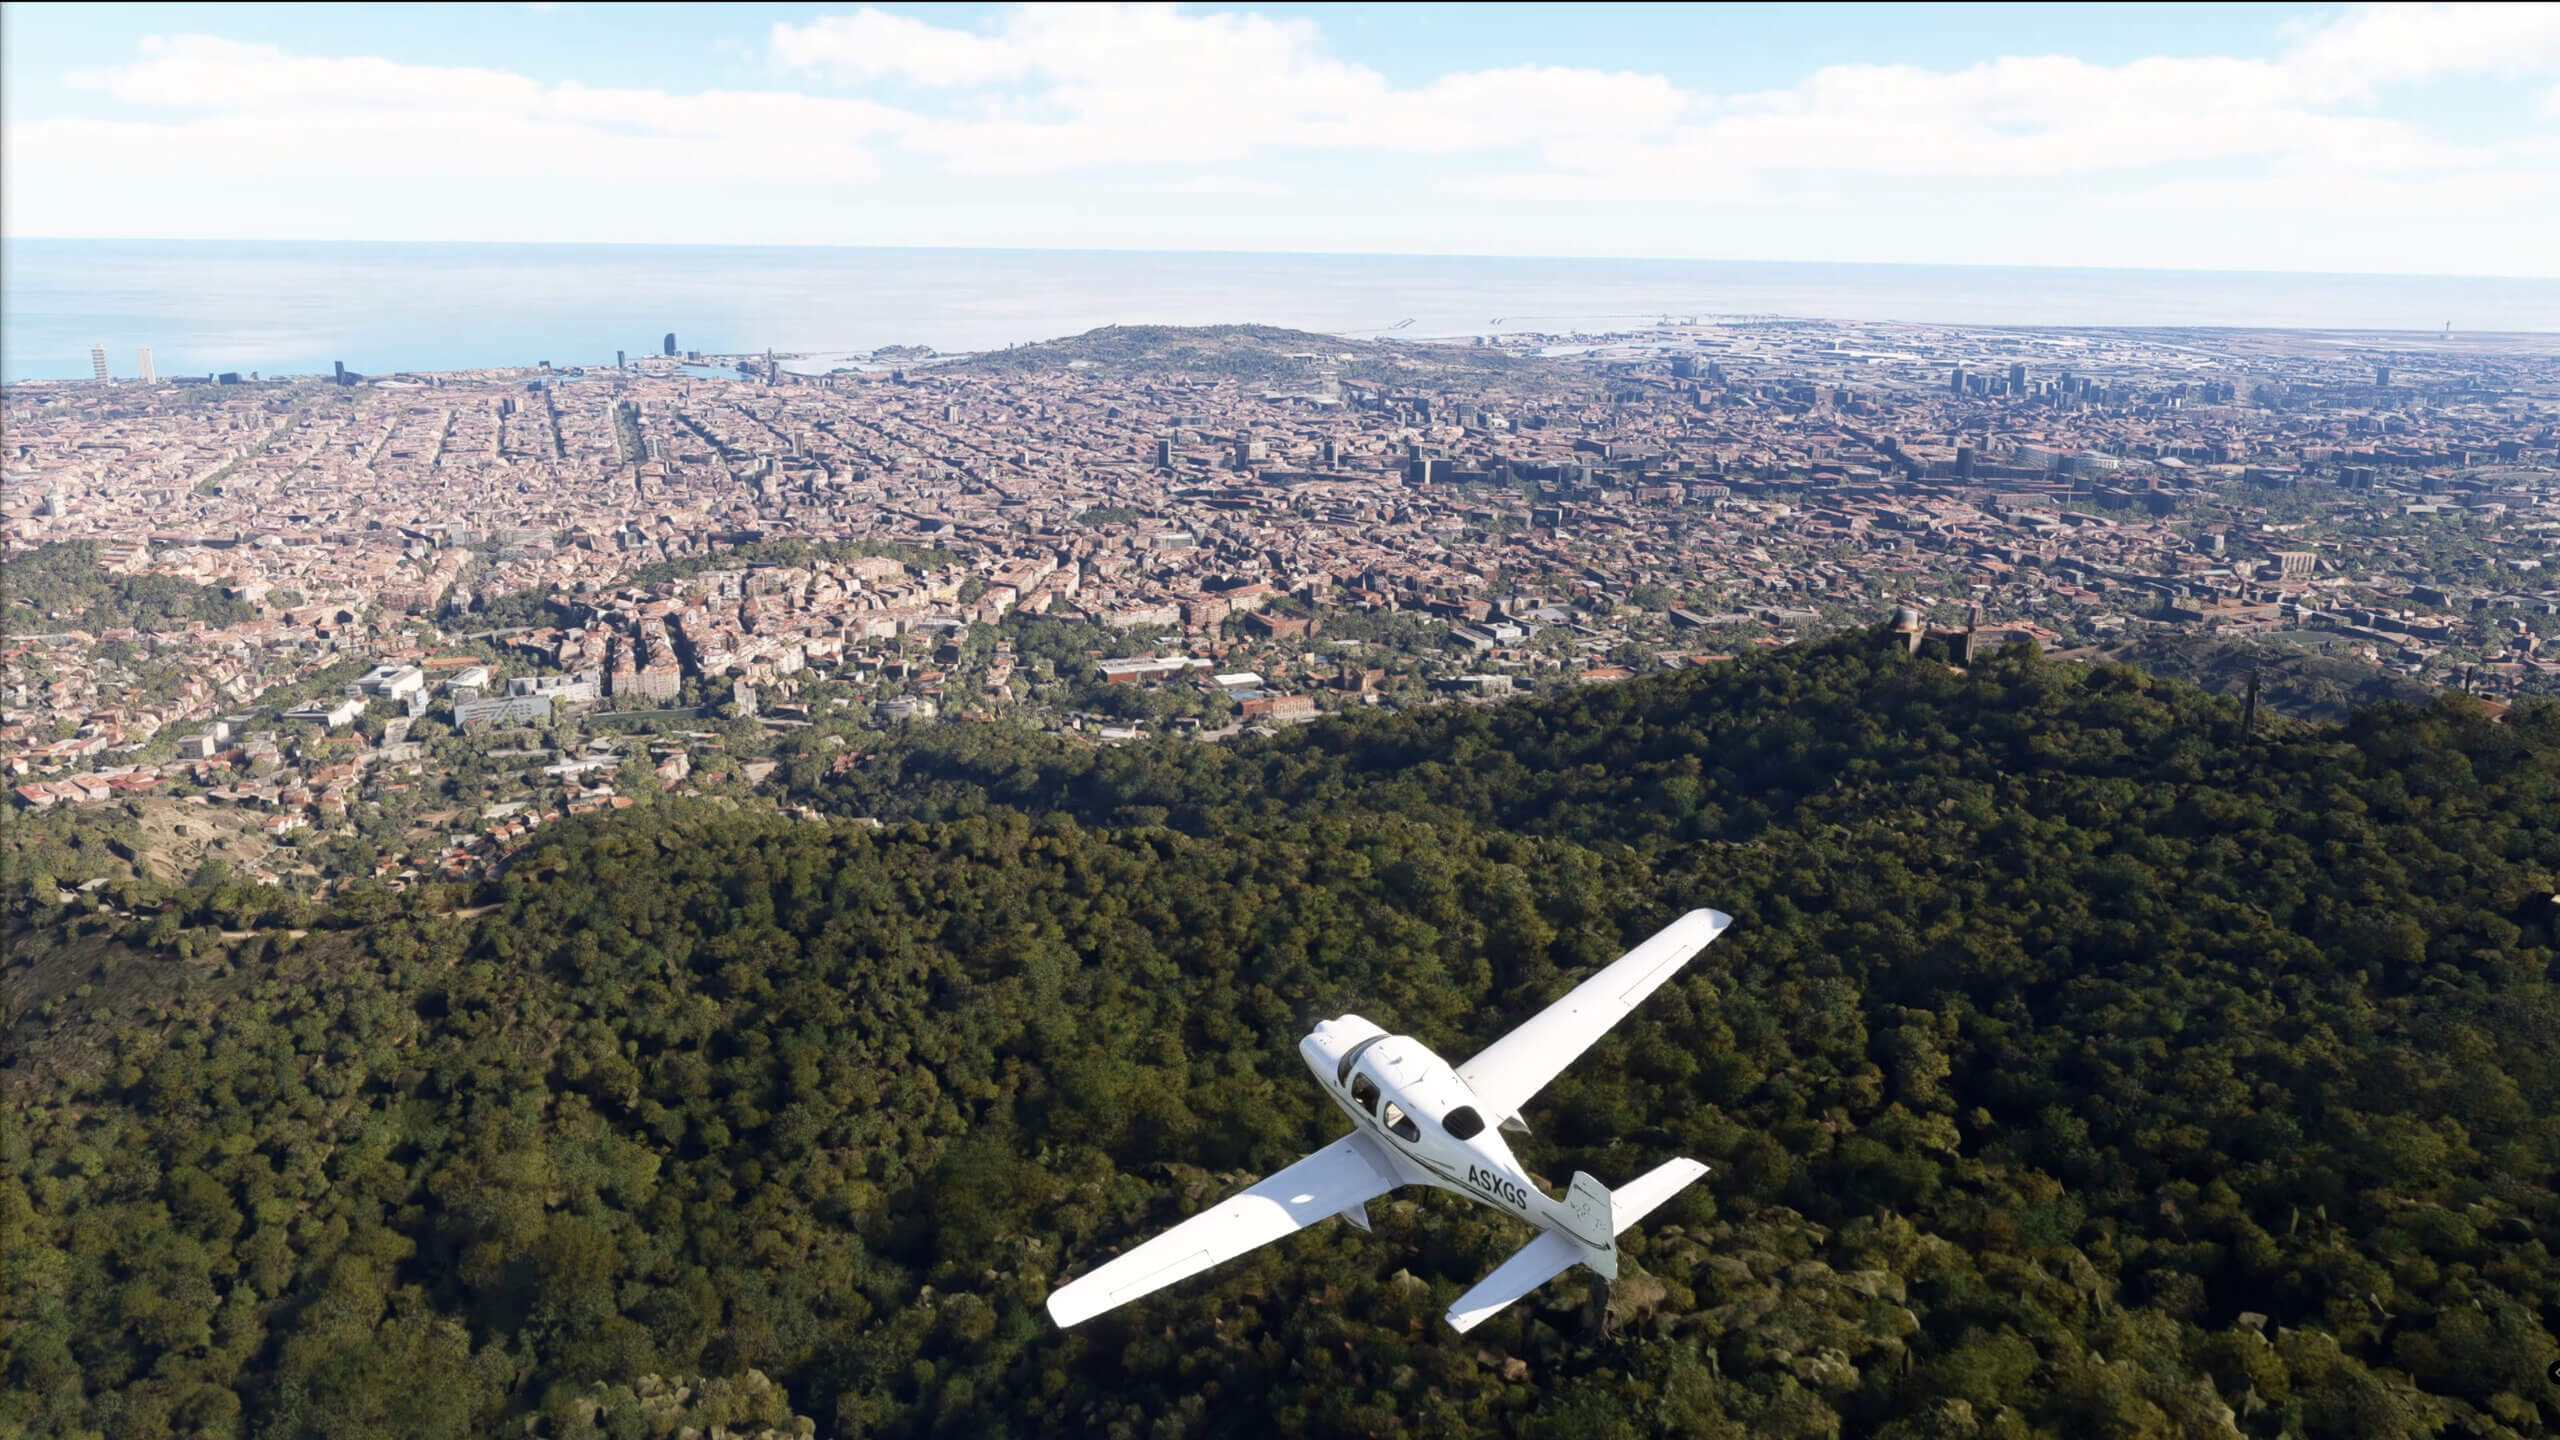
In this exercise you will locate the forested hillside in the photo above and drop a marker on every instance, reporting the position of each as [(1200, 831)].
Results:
[(2074, 1067), (58, 586)]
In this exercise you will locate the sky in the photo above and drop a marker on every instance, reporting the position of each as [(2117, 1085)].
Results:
[(2393, 139)]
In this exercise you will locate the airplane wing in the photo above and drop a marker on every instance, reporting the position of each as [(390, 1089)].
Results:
[(1351, 1171), (1508, 1072)]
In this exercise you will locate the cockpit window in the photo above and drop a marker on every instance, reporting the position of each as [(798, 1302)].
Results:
[(1401, 1123), (1365, 1090), (1351, 1057), (1463, 1123)]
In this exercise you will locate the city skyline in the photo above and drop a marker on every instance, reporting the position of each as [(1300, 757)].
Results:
[(2263, 138)]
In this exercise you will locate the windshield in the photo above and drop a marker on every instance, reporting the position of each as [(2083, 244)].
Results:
[(1351, 1057)]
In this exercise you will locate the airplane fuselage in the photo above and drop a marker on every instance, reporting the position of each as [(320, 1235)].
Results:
[(1396, 1090)]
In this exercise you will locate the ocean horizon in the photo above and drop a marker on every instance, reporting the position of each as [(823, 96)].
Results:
[(297, 307)]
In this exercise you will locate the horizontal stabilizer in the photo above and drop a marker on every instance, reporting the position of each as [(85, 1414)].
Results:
[(1644, 1194), (1536, 1263)]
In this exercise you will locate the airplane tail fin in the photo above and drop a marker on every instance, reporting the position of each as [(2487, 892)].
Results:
[(1553, 1252), (1587, 1202)]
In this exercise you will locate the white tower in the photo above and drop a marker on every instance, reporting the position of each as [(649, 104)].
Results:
[(98, 362), (147, 372)]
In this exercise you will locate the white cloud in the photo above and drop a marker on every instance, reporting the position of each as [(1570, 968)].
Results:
[(2048, 116), (2377, 45), (2388, 224), (258, 122), (1088, 86), (874, 45), (1244, 128), (446, 104)]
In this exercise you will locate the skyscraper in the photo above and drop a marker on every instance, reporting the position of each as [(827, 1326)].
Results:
[(2018, 378), (98, 362), (145, 361), (671, 343), (1955, 380)]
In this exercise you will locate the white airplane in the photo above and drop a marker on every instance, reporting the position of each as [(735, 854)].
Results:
[(1418, 1121)]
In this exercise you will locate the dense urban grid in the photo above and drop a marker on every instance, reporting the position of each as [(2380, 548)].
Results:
[(479, 600)]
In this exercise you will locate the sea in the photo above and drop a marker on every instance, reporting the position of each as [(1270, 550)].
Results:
[(295, 308)]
